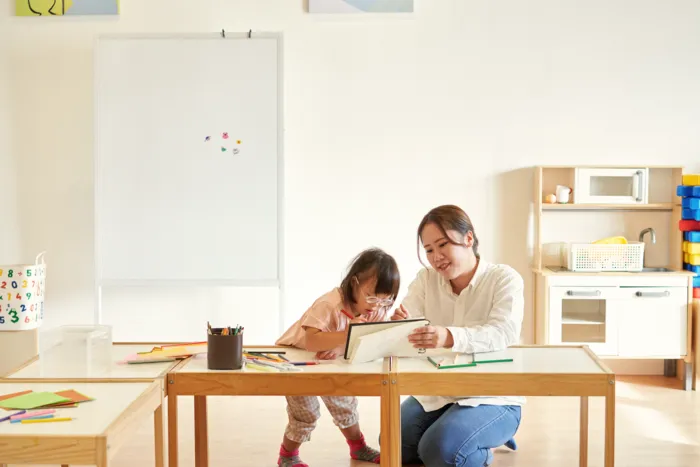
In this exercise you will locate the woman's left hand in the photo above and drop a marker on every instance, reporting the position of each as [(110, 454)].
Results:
[(431, 337)]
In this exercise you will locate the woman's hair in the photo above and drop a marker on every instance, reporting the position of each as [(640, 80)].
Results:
[(449, 217), (370, 263)]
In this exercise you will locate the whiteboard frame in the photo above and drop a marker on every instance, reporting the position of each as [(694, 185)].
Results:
[(280, 282)]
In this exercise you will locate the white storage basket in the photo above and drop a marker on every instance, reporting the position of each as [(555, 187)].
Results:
[(591, 257)]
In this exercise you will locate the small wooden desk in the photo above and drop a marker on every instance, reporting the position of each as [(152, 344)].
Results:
[(100, 428), (331, 378), (33, 371), (116, 377), (535, 371)]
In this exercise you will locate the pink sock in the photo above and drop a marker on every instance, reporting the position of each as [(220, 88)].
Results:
[(290, 458), (360, 451)]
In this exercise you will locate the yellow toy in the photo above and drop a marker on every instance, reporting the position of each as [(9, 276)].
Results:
[(611, 241), (691, 180)]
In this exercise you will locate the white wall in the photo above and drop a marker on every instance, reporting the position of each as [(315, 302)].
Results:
[(385, 118), (9, 222)]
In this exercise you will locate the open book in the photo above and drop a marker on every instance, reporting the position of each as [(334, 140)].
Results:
[(370, 341)]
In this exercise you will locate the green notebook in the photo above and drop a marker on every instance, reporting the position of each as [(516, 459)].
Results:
[(33, 400)]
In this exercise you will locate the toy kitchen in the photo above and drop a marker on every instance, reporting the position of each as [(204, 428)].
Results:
[(616, 261)]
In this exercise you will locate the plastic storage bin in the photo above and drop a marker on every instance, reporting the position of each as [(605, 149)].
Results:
[(69, 351), (591, 257)]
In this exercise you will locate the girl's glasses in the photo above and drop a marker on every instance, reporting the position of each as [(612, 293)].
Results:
[(382, 302), (372, 300)]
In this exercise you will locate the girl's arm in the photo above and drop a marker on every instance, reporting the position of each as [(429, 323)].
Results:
[(318, 341)]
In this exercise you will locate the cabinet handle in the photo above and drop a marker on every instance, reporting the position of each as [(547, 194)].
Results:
[(582, 293), (637, 185), (653, 294)]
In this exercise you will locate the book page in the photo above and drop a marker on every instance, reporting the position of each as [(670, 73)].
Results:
[(389, 342)]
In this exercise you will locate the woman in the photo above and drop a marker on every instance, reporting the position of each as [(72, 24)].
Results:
[(473, 306)]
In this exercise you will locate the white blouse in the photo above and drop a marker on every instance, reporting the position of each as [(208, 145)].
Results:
[(486, 316)]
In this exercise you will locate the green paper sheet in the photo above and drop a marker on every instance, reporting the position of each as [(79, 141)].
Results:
[(33, 400)]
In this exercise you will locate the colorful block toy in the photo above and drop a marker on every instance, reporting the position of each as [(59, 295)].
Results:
[(691, 214), (691, 259), (688, 191), (687, 225), (691, 179), (690, 203), (691, 248)]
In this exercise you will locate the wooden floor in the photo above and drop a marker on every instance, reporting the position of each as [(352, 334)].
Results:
[(656, 426)]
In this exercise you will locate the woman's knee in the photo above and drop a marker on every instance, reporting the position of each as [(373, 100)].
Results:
[(461, 440)]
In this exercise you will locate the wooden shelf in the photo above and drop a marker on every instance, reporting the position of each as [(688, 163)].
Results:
[(583, 320), (608, 207)]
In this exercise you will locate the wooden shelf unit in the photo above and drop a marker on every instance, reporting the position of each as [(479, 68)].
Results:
[(549, 231), (608, 207), (662, 198)]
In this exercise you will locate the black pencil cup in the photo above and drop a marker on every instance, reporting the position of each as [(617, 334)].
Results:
[(224, 351)]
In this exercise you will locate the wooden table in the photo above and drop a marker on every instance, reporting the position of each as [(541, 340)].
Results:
[(99, 429), (331, 378), (143, 389), (33, 370), (535, 371)]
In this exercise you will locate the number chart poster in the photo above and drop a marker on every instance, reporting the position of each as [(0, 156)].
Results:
[(66, 7), (21, 297)]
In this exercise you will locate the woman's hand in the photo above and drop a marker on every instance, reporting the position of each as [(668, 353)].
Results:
[(399, 313), (431, 337), (327, 355)]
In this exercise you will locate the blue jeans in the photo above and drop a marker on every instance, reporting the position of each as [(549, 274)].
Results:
[(455, 435)]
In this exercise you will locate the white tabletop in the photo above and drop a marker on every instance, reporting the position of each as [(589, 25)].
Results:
[(91, 418), (117, 370), (198, 364), (525, 360)]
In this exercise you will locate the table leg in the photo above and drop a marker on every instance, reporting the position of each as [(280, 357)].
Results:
[(172, 430), (101, 457), (201, 437), (390, 422), (158, 430), (583, 433), (610, 425)]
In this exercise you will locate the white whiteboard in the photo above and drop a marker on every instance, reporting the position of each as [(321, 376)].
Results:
[(171, 206)]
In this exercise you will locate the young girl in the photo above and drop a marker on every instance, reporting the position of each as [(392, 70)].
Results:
[(365, 294)]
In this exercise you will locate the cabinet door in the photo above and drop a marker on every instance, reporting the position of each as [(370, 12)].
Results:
[(584, 316), (653, 322), (611, 186)]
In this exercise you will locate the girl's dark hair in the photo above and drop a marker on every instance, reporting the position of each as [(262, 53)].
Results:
[(372, 262), (449, 217)]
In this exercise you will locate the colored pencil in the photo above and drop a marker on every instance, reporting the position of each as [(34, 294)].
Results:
[(47, 420)]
